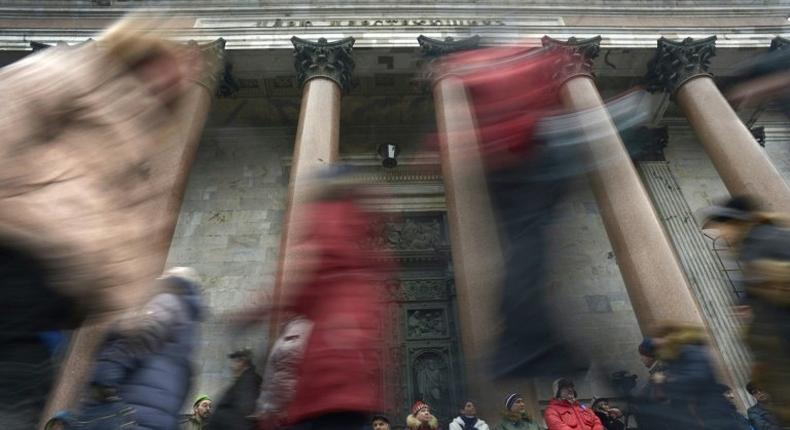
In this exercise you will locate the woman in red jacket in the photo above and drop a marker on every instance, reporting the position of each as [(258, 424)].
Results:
[(334, 281), (566, 413)]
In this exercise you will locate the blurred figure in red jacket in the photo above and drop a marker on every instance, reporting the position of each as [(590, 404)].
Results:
[(512, 91), (532, 149), (335, 282)]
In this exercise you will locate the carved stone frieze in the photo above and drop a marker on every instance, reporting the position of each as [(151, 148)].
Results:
[(330, 60), (408, 235), (579, 57), (675, 63), (423, 289), (426, 323)]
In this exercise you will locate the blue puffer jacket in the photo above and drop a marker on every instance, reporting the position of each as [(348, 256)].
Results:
[(147, 359)]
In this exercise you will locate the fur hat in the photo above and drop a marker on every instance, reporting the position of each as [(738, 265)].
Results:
[(509, 400), (561, 383), (414, 424)]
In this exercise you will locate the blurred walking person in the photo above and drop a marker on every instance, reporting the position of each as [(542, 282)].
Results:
[(235, 409), (335, 282), (743, 422), (80, 212), (760, 416), (762, 243), (144, 367), (280, 376), (689, 382)]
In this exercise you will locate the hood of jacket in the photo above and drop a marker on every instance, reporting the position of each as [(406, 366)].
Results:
[(414, 424), (189, 292), (678, 337), (516, 416)]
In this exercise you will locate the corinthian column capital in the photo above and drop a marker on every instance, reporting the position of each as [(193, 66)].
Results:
[(331, 60), (580, 54), (213, 56), (675, 63), (779, 43), (434, 49)]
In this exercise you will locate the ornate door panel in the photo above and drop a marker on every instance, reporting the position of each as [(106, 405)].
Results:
[(424, 361)]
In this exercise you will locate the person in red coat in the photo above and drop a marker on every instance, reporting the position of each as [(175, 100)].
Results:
[(566, 413), (335, 282)]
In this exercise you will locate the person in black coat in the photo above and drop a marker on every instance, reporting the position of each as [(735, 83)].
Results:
[(696, 399), (611, 418), (235, 409), (759, 416), (649, 404)]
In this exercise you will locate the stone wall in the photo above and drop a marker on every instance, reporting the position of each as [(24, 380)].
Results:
[(229, 231)]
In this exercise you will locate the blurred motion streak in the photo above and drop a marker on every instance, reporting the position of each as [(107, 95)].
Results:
[(96, 144)]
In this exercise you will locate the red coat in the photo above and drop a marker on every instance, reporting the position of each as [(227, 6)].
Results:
[(561, 415), (511, 90), (341, 369)]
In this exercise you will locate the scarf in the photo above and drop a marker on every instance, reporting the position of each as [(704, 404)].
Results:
[(469, 422)]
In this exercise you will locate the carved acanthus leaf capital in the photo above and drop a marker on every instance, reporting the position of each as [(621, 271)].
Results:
[(579, 57), (434, 49), (330, 60), (675, 63), (213, 64)]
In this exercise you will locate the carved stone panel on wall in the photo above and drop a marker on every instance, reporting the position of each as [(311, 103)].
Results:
[(431, 376), (421, 234), (426, 323), (423, 289)]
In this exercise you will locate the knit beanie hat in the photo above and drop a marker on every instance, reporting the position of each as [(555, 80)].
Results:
[(561, 383), (509, 400), (200, 399), (419, 404), (648, 348)]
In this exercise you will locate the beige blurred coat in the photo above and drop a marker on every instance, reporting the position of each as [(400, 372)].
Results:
[(84, 147)]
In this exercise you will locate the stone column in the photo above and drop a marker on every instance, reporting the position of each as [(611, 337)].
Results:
[(476, 252), (653, 277), (681, 69), (324, 69), (173, 164)]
